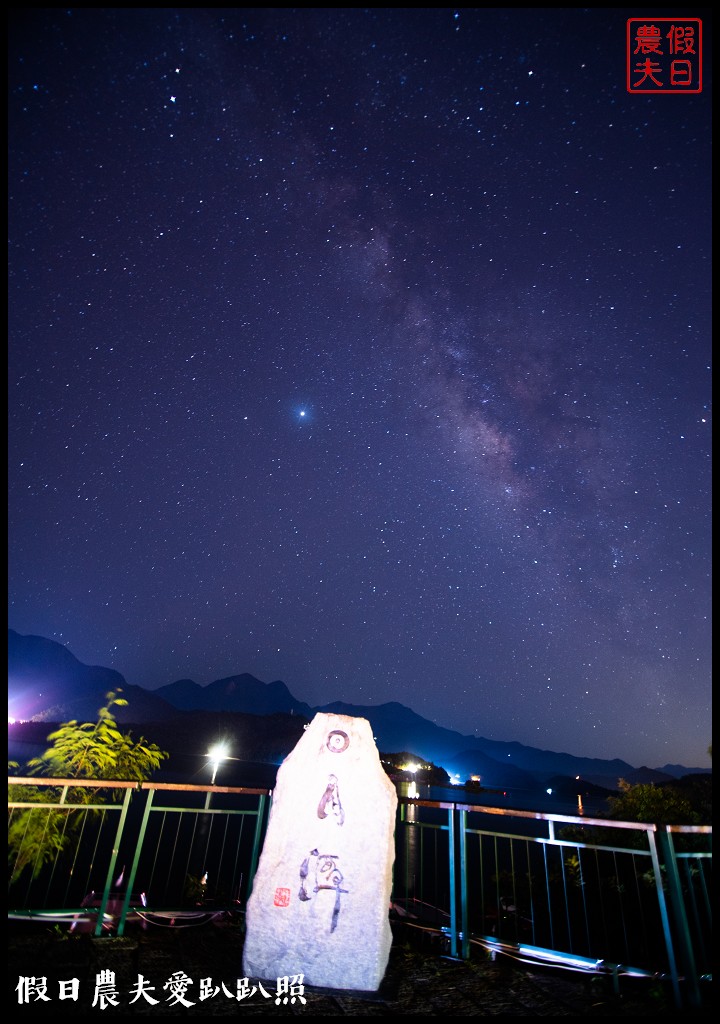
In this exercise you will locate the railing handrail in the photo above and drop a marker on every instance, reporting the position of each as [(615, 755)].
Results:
[(536, 815), (44, 780)]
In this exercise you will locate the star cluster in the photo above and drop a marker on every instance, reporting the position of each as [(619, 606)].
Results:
[(367, 349)]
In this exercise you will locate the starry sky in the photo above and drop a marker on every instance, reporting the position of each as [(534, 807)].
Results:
[(369, 350)]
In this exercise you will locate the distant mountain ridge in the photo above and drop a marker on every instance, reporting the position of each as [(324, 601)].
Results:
[(235, 693), (46, 682)]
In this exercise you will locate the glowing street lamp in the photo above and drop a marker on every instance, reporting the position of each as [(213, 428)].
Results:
[(217, 754)]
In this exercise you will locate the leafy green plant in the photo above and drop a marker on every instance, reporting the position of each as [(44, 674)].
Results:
[(87, 750), (662, 805), (640, 802), (79, 750)]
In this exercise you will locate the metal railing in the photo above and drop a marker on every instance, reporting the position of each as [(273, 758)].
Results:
[(617, 898), (608, 897), (101, 852)]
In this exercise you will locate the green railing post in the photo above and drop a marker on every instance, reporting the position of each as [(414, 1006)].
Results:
[(255, 855), (657, 871), (136, 861), (679, 913), (113, 865)]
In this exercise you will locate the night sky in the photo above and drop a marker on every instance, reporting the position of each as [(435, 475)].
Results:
[(369, 350)]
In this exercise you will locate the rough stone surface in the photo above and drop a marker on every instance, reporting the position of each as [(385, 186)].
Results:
[(321, 896)]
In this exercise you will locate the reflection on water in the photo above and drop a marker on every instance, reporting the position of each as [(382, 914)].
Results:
[(407, 852), (518, 800), (422, 867)]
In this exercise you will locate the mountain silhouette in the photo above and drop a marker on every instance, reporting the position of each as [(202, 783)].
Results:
[(47, 683), (236, 693)]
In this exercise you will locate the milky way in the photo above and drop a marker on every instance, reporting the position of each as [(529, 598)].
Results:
[(368, 350)]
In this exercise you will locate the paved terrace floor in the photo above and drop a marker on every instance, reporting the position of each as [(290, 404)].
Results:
[(421, 980)]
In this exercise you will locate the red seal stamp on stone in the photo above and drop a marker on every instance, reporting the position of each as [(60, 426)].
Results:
[(282, 898)]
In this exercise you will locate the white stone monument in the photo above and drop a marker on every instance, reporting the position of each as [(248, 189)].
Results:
[(321, 896)]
